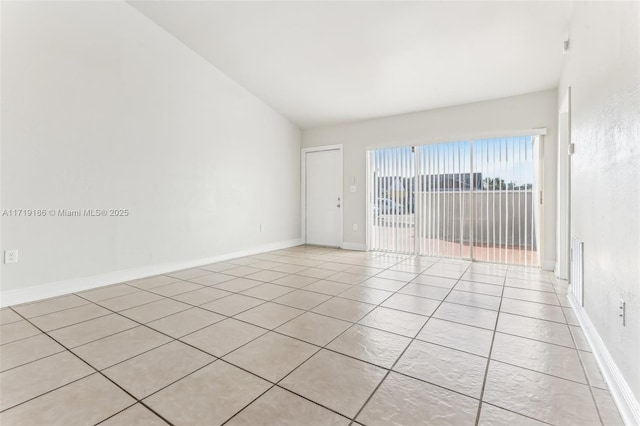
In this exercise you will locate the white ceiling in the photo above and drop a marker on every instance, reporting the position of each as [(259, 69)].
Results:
[(327, 62)]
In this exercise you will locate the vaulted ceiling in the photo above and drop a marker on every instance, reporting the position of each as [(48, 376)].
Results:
[(325, 62)]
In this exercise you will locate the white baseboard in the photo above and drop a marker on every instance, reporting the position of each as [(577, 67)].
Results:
[(548, 264), (620, 391), (353, 246), (59, 288)]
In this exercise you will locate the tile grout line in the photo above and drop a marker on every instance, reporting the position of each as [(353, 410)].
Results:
[(519, 414), (215, 359), (486, 368), (400, 356), (91, 367), (263, 300), (293, 337), (584, 370), (357, 323), (289, 373), (130, 406), (308, 310), (324, 347), (144, 324)]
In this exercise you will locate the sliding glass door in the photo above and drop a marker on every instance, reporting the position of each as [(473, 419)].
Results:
[(468, 200), (505, 208), (444, 185), (392, 200)]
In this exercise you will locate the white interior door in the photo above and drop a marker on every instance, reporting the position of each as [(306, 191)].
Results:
[(323, 193)]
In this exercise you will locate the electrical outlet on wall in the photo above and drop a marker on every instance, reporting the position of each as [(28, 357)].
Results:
[(355, 226), (11, 256), (622, 308)]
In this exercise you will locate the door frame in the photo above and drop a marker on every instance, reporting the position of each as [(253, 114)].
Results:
[(563, 225), (303, 188), (540, 199)]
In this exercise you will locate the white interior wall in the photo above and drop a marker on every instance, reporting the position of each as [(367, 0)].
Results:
[(482, 119), (101, 109), (603, 71)]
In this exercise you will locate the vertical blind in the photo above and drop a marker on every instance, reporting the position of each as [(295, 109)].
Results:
[(471, 200), (392, 204)]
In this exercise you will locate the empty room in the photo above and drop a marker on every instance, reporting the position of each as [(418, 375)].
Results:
[(319, 213)]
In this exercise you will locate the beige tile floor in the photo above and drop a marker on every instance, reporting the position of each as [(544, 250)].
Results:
[(306, 336)]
